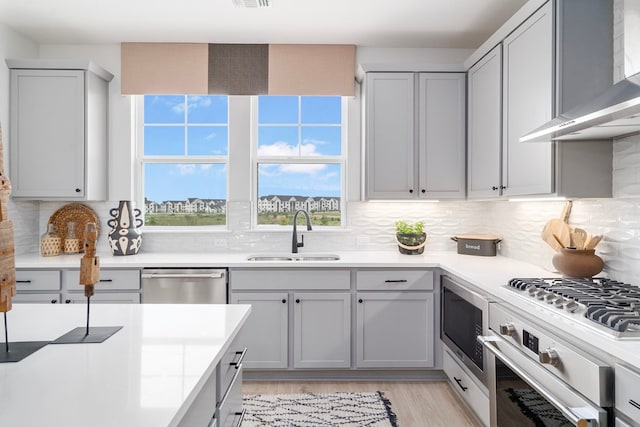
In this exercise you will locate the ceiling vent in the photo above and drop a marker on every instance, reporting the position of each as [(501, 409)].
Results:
[(252, 3)]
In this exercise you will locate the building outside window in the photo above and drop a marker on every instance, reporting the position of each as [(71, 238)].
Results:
[(183, 156), (299, 159)]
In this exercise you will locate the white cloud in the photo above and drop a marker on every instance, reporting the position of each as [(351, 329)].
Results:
[(210, 136), (279, 148), (184, 169), (308, 168)]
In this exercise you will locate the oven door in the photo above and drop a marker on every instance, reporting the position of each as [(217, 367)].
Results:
[(523, 393)]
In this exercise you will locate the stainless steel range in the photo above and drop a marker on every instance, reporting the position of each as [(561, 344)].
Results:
[(605, 305), (541, 368)]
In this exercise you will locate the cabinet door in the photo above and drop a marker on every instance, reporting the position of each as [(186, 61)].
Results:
[(389, 145), (47, 133), (485, 126), (265, 333), (442, 128), (528, 103), (395, 329), (43, 298), (322, 330)]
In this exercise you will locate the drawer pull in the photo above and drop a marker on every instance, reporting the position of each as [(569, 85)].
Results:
[(459, 382), (634, 403), (106, 280), (241, 419), (23, 281), (238, 362), (396, 281)]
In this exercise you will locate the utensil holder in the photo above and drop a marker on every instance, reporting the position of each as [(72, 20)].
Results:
[(577, 263)]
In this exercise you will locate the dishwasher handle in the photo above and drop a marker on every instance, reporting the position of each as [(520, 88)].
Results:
[(217, 275)]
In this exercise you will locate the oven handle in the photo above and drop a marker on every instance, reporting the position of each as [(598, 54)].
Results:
[(575, 419)]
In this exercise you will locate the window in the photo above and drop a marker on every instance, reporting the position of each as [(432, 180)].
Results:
[(299, 159), (184, 154)]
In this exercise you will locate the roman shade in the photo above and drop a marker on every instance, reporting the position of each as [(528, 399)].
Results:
[(164, 68), (237, 69), (311, 69)]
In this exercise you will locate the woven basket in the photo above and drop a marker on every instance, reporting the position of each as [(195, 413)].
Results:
[(74, 212), (406, 249)]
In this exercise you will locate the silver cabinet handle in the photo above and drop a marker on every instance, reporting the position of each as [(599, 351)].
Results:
[(575, 419), (241, 419), (238, 362), (396, 281), (182, 276)]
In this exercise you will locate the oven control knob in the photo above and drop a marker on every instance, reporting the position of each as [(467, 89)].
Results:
[(550, 298), (549, 357), (532, 290), (541, 294), (559, 302), (508, 329)]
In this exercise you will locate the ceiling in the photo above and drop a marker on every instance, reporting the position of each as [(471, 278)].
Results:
[(374, 23)]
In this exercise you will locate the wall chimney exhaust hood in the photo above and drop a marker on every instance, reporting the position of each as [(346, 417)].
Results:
[(616, 111)]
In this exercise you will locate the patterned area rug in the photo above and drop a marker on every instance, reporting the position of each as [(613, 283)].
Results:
[(315, 410), (537, 409)]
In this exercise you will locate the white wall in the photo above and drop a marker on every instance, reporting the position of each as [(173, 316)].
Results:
[(23, 215)]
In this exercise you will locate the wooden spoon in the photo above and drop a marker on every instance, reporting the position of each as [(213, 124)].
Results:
[(593, 242), (581, 237)]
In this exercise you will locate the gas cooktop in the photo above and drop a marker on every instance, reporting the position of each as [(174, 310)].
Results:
[(610, 304)]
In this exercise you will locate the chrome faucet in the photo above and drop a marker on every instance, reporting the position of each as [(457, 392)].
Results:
[(294, 241)]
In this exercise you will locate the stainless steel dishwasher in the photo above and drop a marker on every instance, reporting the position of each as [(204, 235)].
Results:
[(184, 286)]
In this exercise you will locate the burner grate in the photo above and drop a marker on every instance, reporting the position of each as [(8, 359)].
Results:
[(613, 304)]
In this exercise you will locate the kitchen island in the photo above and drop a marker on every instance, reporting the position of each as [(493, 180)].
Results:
[(152, 372)]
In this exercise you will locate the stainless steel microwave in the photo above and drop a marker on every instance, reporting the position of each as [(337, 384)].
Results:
[(464, 316)]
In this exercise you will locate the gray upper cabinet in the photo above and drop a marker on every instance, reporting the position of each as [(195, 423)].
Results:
[(556, 59), (414, 136), (528, 103), (484, 123), (58, 133)]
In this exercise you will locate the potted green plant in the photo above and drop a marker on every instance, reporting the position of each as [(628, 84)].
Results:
[(411, 238)]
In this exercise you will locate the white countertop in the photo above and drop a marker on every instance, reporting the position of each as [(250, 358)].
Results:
[(145, 375), (488, 274)]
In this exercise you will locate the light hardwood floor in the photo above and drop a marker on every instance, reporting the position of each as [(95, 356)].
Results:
[(416, 404)]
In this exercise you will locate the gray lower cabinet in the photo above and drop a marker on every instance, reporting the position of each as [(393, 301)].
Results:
[(395, 329), (118, 286), (322, 330), (266, 331)]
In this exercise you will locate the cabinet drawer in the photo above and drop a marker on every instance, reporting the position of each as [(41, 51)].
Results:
[(230, 363), (202, 410), (109, 280), (466, 387), (229, 413), (105, 298), (627, 393), (37, 280), (394, 280), (290, 279)]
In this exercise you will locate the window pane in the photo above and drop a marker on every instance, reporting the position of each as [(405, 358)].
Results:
[(278, 141), (321, 140), (284, 188), (185, 194), (278, 109), (208, 109), (163, 140), (164, 109), (207, 140), (321, 109)]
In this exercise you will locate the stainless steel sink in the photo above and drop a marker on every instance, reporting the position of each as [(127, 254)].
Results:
[(268, 258), (293, 257)]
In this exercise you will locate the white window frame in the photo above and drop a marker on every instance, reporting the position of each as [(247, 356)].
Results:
[(256, 160), (141, 160)]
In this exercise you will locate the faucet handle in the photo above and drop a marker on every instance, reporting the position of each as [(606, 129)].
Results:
[(301, 243)]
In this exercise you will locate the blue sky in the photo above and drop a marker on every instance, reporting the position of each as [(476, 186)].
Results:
[(286, 127)]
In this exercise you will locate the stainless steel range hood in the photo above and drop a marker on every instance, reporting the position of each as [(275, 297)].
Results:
[(615, 112)]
